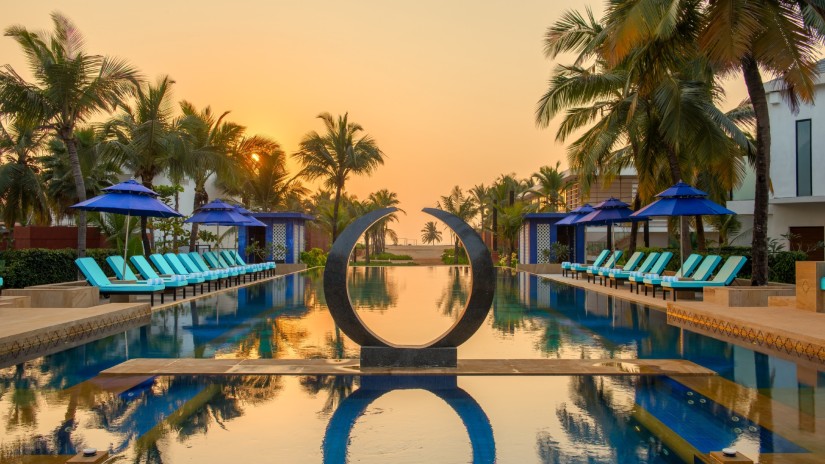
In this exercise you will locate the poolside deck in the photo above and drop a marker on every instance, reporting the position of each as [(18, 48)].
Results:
[(634, 367), (27, 333), (786, 332)]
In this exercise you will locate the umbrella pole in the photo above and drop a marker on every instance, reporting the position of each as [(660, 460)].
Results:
[(125, 245)]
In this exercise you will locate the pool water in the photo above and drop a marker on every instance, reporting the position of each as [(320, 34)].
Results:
[(763, 405)]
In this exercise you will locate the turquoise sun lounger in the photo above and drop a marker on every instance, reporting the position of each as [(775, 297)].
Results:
[(95, 276), (658, 268), (603, 272), (723, 278), (190, 266), (166, 268), (145, 269), (253, 270), (172, 283), (223, 276), (619, 276), (583, 268), (267, 266), (568, 267), (702, 272)]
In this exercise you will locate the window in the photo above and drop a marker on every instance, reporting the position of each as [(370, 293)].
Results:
[(804, 180)]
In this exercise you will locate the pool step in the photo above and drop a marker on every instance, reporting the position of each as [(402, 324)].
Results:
[(633, 367)]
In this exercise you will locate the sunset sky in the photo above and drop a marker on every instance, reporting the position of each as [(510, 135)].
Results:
[(447, 89)]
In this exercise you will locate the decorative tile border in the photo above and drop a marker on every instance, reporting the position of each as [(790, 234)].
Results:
[(764, 338), (51, 340)]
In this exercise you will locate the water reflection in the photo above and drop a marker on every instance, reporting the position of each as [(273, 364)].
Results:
[(477, 424), (57, 404)]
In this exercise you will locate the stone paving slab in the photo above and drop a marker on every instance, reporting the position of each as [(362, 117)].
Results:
[(144, 366)]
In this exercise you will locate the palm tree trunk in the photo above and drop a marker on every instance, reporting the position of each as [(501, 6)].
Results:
[(634, 227), (335, 211), (144, 228), (684, 229), (701, 241), (759, 245), (67, 136), (455, 251), (201, 197), (367, 247)]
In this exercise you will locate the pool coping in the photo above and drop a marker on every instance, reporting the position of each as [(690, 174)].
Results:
[(789, 333), (466, 367)]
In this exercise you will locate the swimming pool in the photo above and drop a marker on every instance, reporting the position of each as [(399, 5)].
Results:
[(762, 405)]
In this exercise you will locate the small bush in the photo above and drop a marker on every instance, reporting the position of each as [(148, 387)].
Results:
[(40, 266), (781, 264), (385, 256), (315, 257), (447, 256)]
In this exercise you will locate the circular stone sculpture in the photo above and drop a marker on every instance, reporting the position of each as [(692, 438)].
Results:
[(377, 352)]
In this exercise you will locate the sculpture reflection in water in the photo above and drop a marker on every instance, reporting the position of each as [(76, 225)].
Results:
[(338, 431)]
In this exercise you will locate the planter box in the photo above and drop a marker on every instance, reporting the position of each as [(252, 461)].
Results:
[(63, 295), (746, 296), (545, 268), (809, 296), (289, 268)]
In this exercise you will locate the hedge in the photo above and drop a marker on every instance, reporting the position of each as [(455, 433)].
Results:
[(39, 266), (781, 265)]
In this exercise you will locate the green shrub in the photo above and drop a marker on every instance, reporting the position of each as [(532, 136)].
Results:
[(385, 256), (447, 256), (39, 266), (781, 264), (315, 257)]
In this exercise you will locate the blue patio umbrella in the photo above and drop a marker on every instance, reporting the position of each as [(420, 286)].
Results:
[(682, 200), (129, 198), (575, 215), (609, 212), (218, 213)]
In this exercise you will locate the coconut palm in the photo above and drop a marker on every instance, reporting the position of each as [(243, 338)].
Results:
[(144, 139), (210, 140), (655, 110), (430, 233), (69, 87), (461, 206), (551, 185), (778, 36), (384, 199), (21, 191), (99, 171), (481, 196), (340, 152)]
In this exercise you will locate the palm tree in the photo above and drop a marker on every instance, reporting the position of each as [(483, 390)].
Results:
[(430, 233), (21, 191), (655, 110), (481, 196), (336, 154), (779, 36), (384, 199), (69, 87), (99, 171), (551, 186), (144, 138), (210, 140), (262, 179), (462, 207)]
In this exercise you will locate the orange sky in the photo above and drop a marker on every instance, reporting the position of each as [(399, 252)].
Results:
[(447, 89)]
